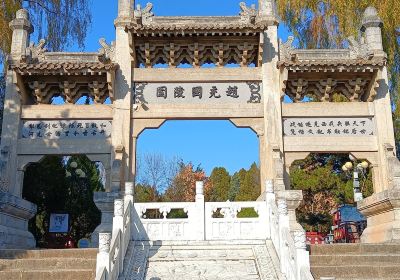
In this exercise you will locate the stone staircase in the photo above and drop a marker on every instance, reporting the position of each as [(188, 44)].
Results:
[(356, 261), (70, 264), (211, 260)]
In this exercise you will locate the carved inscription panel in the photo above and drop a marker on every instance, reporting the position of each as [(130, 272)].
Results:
[(236, 92), (301, 127), (75, 129)]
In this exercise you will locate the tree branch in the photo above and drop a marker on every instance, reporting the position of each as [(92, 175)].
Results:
[(40, 4)]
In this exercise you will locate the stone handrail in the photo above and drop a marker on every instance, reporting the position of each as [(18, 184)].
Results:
[(113, 247), (288, 237)]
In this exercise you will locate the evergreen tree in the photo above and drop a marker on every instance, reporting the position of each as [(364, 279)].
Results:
[(146, 193), (250, 187), (220, 181), (234, 187), (46, 186), (325, 186), (57, 187)]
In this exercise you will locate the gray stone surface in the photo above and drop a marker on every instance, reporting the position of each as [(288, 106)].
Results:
[(201, 260)]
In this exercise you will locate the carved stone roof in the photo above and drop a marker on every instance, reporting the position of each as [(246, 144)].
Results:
[(197, 25), (333, 65), (63, 68)]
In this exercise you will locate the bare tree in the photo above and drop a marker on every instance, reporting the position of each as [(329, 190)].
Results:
[(156, 170)]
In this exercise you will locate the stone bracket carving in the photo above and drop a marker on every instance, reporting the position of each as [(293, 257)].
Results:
[(356, 89)]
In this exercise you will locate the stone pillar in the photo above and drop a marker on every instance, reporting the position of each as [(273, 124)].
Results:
[(371, 25), (263, 162), (21, 28), (271, 92), (266, 8), (14, 211), (121, 134), (105, 203), (382, 208)]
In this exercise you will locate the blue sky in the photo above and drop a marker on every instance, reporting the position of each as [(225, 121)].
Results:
[(209, 143)]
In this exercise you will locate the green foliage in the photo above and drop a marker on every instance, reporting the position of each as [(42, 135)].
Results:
[(325, 186), (220, 180), (250, 187), (47, 185), (234, 187), (146, 193), (247, 213)]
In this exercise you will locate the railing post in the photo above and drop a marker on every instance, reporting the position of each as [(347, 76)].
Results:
[(302, 255), (118, 225), (128, 198), (270, 198), (103, 256), (200, 213)]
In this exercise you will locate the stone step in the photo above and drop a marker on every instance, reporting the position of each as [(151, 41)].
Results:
[(46, 263), (41, 254), (66, 274), (202, 243), (357, 272), (350, 260), (355, 249)]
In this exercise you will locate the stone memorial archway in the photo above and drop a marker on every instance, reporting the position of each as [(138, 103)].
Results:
[(250, 96)]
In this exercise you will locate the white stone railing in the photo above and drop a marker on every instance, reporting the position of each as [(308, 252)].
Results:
[(204, 221), (113, 246), (288, 237), (163, 228), (229, 226)]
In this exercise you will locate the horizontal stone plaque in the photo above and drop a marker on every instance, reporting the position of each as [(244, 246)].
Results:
[(302, 127), (75, 129), (235, 92)]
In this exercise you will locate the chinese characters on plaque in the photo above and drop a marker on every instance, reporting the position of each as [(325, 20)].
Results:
[(299, 127), (237, 92), (77, 129)]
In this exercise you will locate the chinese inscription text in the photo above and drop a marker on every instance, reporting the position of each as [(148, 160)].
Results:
[(81, 129), (328, 127)]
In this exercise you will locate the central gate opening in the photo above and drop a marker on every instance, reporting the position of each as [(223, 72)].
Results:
[(172, 158)]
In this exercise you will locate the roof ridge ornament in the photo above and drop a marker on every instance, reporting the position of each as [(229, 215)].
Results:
[(247, 14), (34, 52), (144, 16), (106, 52), (359, 48), (286, 49)]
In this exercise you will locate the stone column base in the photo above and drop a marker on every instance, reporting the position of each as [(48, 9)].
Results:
[(105, 203), (14, 216), (383, 217)]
